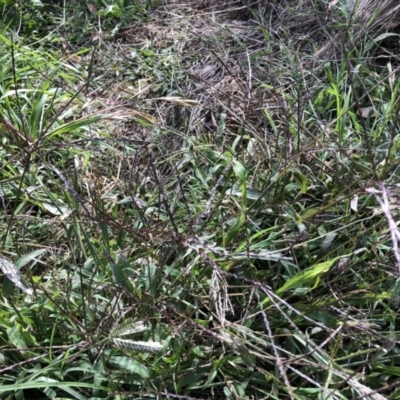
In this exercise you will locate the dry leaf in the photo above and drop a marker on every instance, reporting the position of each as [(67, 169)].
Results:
[(180, 101), (91, 8), (366, 112), (332, 3)]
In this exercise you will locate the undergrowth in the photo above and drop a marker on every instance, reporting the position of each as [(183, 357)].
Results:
[(189, 214)]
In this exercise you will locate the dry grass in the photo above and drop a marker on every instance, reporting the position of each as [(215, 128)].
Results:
[(228, 200)]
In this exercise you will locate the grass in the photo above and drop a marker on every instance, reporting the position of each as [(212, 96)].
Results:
[(196, 209)]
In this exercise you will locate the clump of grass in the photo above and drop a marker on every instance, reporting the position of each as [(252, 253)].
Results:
[(370, 21), (210, 230)]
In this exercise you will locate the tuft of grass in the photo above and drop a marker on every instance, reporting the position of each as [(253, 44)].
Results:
[(190, 211)]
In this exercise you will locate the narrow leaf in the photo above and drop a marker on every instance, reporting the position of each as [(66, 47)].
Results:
[(307, 277)]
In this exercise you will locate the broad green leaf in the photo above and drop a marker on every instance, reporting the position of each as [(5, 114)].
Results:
[(241, 175), (305, 278), (119, 275), (29, 257), (63, 210), (304, 184), (192, 378), (15, 337), (73, 127), (50, 393), (21, 337), (234, 229), (240, 171), (128, 364)]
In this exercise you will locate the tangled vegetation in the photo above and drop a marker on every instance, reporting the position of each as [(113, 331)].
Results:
[(199, 199)]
